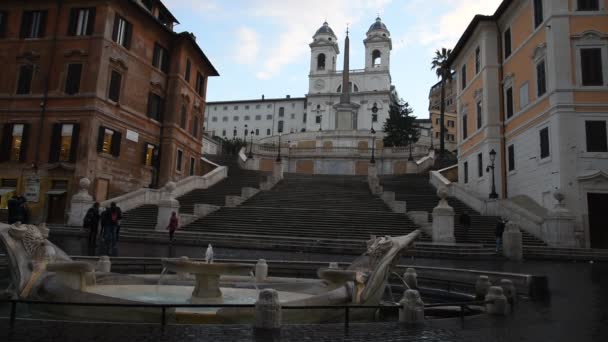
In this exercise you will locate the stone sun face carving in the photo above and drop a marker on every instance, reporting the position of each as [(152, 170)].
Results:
[(33, 242), (377, 248)]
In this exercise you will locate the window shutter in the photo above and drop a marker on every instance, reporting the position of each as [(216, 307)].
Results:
[(7, 135), (100, 133), (155, 55), (115, 29), (42, 24), (74, 143), (55, 141), (26, 22), (116, 139), (145, 152), (72, 82), (25, 139), (91, 23), (73, 22), (128, 33), (165, 61)]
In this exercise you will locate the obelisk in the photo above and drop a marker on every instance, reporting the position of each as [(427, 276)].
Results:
[(346, 112)]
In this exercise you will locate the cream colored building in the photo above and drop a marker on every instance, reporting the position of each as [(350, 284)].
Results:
[(532, 85)]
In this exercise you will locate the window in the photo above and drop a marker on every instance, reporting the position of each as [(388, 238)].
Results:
[(195, 126), (318, 119), (182, 117), (235, 118), (464, 127), (507, 40), (281, 112), (214, 119), (591, 67), (544, 143), (160, 59), (200, 85), (115, 83), (236, 107), (376, 58), (450, 137), (257, 131), (150, 154), (479, 165), (541, 81), (247, 107), (225, 108), (26, 73), (155, 106), (466, 172), (524, 97), (588, 5), (64, 143), (247, 117), (463, 75), (509, 102), (595, 132), (257, 106), (479, 108), (33, 24), (3, 17), (293, 116), (321, 61), (374, 117), (304, 118), (108, 141), (269, 106), (246, 132), (224, 133), (192, 165), (72, 80), (511, 156), (122, 32), (280, 127), (437, 121), (268, 131), (258, 117), (225, 119), (187, 72), (477, 60), (450, 123), (269, 117), (82, 21), (14, 142), (538, 12), (178, 160)]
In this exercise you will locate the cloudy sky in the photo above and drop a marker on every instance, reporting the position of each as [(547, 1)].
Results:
[(261, 46)]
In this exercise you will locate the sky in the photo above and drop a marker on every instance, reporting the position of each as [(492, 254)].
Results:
[(260, 47)]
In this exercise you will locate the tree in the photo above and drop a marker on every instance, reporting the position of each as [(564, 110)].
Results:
[(231, 146), (400, 127), (441, 67)]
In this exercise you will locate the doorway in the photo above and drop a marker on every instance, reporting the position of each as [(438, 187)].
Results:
[(56, 208), (598, 216)]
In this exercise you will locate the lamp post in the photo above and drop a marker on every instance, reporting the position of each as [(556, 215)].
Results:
[(373, 132), (234, 133), (409, 140), (279, 152), (493, 194), (250, 155)]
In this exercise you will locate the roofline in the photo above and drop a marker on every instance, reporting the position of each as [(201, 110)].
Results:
[(257, 100), (502, 8), (188, 36)]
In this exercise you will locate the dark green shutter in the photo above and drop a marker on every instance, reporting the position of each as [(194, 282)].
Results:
[(25, 139), (91, 23), (55, 142), (100, 133), (7, 135), (116, 140), (73, 22), (74, 143)]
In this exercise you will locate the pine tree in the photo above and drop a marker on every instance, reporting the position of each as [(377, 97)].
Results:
[(400, 127)]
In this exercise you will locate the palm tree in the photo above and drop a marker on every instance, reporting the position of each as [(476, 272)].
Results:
[(441, 67)]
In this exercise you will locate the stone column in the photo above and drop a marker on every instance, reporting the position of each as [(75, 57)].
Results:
[(512, 243), (104, 265), (277, 170), (261, 270), (80, 203), (268, 315), (412, 308), (411, 278), (558, 229), (166, 206), (500, 306), (443, 219), (481, 287)]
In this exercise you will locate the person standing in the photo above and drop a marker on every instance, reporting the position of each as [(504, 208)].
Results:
[(107, 232), (500, 228), (173, 225), (91, 222), (22, 210), (116, 216), (465, 222)]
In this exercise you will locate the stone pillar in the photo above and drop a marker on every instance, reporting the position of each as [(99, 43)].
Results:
[(166, 206), (512, 243), (500, 306), (80, 203), (104, 265), (268, 313), (443, 219), (277, 170), (411, 278), (509, 290), (183, 275), (481, 287), (412, 308), (261, 270), (558, 229)]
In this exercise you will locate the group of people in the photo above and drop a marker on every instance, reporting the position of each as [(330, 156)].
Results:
[(465, 222), (17, 209), (110, 227)]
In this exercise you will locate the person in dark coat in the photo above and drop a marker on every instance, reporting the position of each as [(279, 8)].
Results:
[(108, 233), (500, 228), (22, 210), (91, 222), (173, 225), (465, 222), (116, 216)]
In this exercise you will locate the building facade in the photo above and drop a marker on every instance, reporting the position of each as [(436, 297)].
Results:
[(449, 117), (532, 85), (98, 89)]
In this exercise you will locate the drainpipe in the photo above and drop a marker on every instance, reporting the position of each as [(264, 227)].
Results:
[(503, 139), (47, 83)]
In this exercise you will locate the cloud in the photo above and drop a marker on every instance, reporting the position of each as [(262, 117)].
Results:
[(203, 6), (295, 22), (248, 46)]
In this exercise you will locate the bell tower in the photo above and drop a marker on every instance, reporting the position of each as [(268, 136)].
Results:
[(378, 46), (323, 51)]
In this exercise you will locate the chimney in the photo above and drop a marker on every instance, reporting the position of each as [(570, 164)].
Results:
[(262, 97), (288, 96)]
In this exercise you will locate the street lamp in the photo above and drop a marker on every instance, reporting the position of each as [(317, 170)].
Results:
[(409, 140), (279, 153), (234, 133), (250, 155), (373, 160), (493, 194), (318, 117)]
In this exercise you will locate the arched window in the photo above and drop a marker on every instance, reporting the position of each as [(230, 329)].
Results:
[(376, 59), (321, 61)]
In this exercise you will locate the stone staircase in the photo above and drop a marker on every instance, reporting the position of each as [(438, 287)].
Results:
[(419, 195), (145, 217)]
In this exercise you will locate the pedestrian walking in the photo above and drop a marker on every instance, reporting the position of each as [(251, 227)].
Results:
[(109, 227), (500, 228), (91, 222), (465, 222), (116, 216), (173, 225)]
